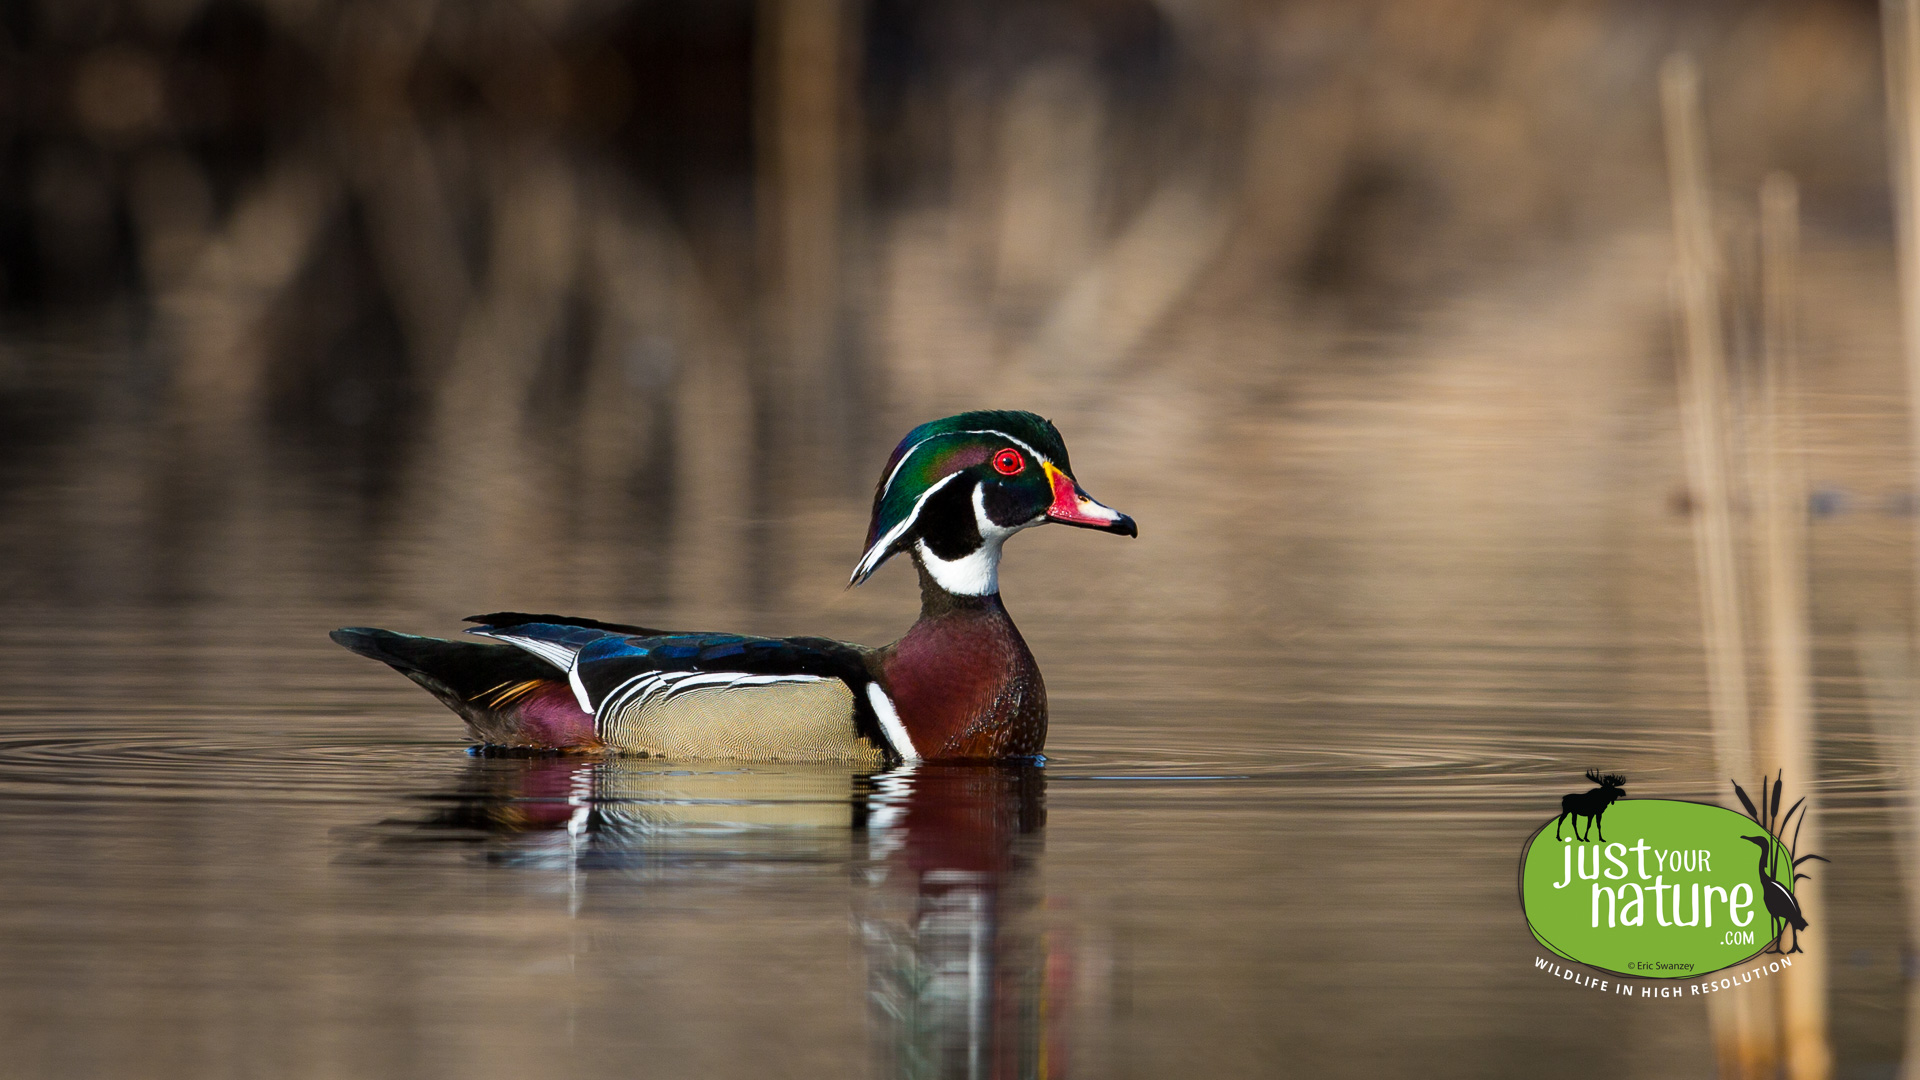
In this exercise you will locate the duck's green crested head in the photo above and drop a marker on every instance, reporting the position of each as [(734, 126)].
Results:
[(956, 488)]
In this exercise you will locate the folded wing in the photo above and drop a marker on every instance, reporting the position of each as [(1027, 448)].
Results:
[(709, 695)]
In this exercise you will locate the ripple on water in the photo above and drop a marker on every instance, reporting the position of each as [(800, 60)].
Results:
[(204, 760), (121, 764)]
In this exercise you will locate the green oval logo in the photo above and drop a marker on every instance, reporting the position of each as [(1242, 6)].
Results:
[(1677, 889)]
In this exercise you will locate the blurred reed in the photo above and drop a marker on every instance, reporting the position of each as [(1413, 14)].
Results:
[(1744, 1030), (1900, 740), (1886, 664), (1744, 448), (1781, 512), (539, 298), (1705, 406)]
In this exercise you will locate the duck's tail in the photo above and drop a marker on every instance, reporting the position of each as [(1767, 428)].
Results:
[(507, 696)]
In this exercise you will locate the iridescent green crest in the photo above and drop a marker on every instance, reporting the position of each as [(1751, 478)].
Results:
[(935, 451)]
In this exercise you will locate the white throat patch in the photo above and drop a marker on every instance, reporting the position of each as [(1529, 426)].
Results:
[(978, 572)]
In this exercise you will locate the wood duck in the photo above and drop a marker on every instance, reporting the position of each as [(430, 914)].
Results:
[(960, 685)]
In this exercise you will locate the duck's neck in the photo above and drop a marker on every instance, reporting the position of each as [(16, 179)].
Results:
[(937, 601), (974, 572), (962, 679)]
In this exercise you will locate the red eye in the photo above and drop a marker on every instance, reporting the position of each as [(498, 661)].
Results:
[(1009, 462)]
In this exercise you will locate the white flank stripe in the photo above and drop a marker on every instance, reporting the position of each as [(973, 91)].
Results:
[(579, 688), (729, 679), (613, 702), (890, 723), (560, 656), (656, 682), (662, 687), (641, 688)]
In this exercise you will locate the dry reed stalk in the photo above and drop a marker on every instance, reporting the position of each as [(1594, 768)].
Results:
[(485, 501), (218, 314), (1886, 672), (1781, 502), (1704, 402), (1900, 32), (1742, 1023), (803, 59)]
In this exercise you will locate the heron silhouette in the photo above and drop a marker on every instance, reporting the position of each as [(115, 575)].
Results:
[(1781, 905)]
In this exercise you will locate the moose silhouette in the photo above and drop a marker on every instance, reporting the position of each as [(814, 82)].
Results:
[(1591, 804)]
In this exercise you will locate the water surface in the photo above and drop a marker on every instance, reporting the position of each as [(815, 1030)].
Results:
[(232, 849)]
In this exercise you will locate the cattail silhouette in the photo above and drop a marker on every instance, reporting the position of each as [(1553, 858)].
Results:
[(1783, 909)]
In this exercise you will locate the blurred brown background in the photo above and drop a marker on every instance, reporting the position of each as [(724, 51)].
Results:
[(622, 301)]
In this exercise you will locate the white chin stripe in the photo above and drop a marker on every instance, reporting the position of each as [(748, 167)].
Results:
[(896, 732), (976, 573)]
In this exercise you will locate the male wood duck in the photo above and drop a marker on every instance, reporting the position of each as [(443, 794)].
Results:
[(960, 685)]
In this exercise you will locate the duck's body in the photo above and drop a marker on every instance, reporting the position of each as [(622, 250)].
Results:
[(965, 676), (961, 684)]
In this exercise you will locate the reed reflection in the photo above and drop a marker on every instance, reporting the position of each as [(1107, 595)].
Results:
[(964, 975)]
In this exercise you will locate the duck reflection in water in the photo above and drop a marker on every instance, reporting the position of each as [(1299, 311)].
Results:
[(962, 975), (964, 978)]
